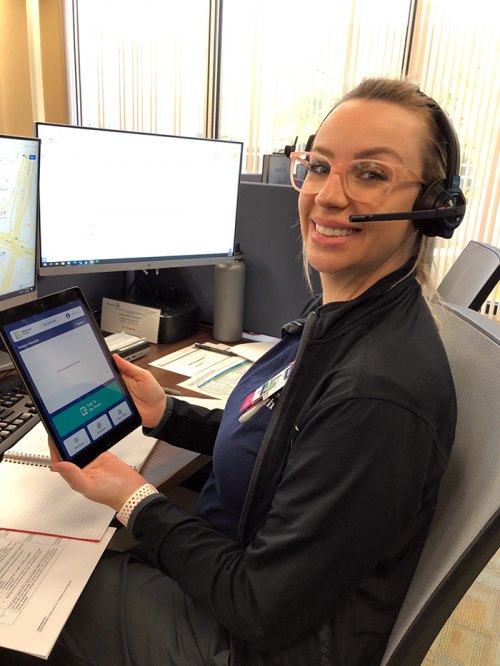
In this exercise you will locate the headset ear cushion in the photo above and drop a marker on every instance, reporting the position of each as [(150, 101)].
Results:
[(435, 196), (431, 197)]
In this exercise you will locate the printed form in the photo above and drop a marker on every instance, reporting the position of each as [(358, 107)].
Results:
[(41, 578)]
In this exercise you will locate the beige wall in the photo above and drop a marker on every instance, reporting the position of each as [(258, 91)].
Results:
[(16, 104), (15, 89)]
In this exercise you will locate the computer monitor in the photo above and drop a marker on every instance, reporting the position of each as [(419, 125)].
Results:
[(19, 179), (113, 200)]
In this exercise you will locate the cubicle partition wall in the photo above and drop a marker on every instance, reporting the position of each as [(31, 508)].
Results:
[(269, 234), (93, 286)]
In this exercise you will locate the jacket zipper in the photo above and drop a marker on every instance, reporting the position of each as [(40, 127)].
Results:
[(309, 324)]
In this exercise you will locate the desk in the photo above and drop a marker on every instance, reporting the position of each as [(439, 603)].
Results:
[(168, 466)]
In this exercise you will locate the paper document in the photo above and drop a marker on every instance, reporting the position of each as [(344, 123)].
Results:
[(219, 380), (252, 350), (116, 341), (209, 403), (192, 360), (41, 578), (189, 361), (34, 499), (213, 368)]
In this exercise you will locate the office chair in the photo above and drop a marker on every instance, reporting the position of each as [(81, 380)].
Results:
[(465, 531), (472, 277)]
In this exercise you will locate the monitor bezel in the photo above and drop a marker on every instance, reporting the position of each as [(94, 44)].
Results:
[(20, 297), (130, 263)]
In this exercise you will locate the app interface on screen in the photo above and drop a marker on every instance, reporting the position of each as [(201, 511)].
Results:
[(73, 377)]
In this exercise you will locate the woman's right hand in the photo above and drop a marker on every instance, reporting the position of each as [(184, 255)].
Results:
[(148, 395)]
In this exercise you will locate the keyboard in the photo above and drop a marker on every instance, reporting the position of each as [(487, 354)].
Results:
[(17, 412)]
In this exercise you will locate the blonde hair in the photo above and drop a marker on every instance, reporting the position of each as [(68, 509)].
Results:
[(408, 95)]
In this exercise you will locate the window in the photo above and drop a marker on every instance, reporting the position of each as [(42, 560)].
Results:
[(142, 66), (265, 73), (283, 67), (455, 56)]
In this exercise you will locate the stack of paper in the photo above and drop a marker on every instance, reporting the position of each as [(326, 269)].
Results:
[(41, 578), (213, 369)]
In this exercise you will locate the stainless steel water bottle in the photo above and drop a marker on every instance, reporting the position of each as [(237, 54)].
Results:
[(229, 299)]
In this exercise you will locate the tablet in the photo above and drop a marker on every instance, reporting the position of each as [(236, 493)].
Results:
[(60, 353)]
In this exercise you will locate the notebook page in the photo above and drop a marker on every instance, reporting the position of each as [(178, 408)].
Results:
[(34, 499), (134, 448), (34, 448)]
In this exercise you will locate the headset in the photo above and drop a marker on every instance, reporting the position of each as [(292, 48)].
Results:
[(440, 207)]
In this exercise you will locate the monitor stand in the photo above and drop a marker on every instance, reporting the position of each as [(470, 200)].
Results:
[(5, 362)]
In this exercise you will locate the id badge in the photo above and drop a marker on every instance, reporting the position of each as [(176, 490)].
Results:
[(259, 397)]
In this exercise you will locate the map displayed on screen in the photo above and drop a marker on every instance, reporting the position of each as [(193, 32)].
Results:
[(19, 162)]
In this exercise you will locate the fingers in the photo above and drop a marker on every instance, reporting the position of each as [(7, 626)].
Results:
[(126, 368), (55, 456), (133, 374), (120, 362), (73, 475), (107, 479)]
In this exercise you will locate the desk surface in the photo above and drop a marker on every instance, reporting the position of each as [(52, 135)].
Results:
[(168, 466)]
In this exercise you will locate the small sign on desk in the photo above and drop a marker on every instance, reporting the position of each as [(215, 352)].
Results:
[(123, 317)]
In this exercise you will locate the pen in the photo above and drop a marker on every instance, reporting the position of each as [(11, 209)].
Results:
[(247, 415), (171, 391), (225, 352)]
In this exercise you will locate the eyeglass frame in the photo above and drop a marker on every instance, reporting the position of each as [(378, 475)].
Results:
[(296, 156)]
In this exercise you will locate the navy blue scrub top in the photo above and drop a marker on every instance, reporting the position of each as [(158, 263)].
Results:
[(237, 445)]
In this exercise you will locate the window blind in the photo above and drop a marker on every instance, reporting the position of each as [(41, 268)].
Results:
[(282, 66)]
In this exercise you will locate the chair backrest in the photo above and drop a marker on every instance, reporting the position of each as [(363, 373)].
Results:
[(472, 277), (465, 531)]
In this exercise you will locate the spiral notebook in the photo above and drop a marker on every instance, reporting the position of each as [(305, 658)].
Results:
[(34, 499), (33, 448)]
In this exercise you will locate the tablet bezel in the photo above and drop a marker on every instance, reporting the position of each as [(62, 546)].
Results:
[(45, 304)]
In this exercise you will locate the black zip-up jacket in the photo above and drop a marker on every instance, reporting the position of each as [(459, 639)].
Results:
[(342, 492)]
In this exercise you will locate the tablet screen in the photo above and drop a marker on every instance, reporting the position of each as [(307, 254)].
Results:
[(79, 393)]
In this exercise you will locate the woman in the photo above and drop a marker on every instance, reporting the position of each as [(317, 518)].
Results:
[(307, 533)]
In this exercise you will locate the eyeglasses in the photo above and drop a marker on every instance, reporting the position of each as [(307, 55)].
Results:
[(365, 181)]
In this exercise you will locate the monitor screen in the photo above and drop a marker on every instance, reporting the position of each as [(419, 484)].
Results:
[(19, 172), (113, 200)]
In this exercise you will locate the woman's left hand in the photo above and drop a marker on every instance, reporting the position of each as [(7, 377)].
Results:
[(107, 479)]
